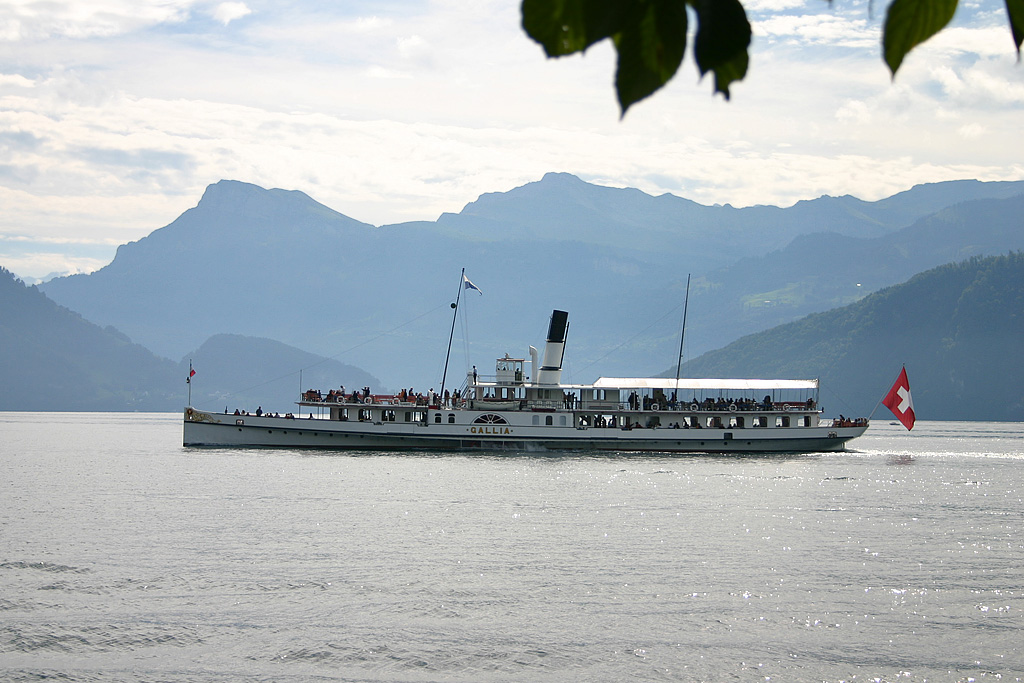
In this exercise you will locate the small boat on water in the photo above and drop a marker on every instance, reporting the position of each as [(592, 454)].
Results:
[(525, 407)]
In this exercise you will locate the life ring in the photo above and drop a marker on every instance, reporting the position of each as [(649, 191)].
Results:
[(655, 406), (694, 406), (368, 400), (787, 407), (188, 413), (732, 407)]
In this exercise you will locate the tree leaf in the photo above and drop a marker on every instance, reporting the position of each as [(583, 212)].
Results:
[(909, 23), (1015, 8), (723, 35), (729, 72), (563, 27), (651, 45)]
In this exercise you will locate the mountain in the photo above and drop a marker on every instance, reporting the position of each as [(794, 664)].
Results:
[(248, 372), (279, 265), (958, 328), (563, 207), (55, 360), (820, 271)]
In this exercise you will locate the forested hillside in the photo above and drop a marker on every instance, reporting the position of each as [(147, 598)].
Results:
[(56, 360), (959, 329)]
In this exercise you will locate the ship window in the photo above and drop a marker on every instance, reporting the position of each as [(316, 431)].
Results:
[(437, 418), (536, 419), (490, 419), (782, 421), (548, 420), (408, 416), (451, 418), (561, 420)]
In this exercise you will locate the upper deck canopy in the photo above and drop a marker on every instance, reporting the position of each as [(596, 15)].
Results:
[(703, 384)]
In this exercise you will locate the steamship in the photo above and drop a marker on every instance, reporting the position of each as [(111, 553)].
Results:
[(525, 407)]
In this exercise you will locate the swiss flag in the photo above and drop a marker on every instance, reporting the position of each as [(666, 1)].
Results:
[(898, 400)]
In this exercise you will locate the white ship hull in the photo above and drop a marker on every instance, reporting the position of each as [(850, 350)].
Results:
[(203, 429)]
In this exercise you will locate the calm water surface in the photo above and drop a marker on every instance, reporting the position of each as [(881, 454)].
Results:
[(125, 557)]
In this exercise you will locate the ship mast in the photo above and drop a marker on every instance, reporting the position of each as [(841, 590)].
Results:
[(682, 335), (455, 312)]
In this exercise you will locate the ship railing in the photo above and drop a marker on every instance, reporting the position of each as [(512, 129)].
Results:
[(697, 407)]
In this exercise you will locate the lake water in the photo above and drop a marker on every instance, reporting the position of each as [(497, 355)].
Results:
[(125, 557)]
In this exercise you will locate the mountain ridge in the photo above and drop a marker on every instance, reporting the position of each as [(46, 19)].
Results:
[(277, 264)]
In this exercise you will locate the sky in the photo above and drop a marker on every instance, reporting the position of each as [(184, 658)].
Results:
[(115, 115)]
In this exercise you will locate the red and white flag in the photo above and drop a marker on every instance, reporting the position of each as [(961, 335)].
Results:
[(899, 401)]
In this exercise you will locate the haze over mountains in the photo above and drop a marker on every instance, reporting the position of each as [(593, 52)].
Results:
[(277, 265), (56, 360)]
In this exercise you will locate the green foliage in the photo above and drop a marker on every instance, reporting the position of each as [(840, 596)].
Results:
[(59, 361), (911, 22), (958, 329), (1015, 9), (650, 35)]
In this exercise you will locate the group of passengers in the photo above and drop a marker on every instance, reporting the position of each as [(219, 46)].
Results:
[(710, 404), (259, 413), (406, 396), (338, 396)]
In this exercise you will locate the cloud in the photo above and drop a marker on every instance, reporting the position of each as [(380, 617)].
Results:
[(36, 267), (971, 131), (226, 12), (80, 241), (15, 81), (31, 20), (831, 30), (405, 109), (413, 47)]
